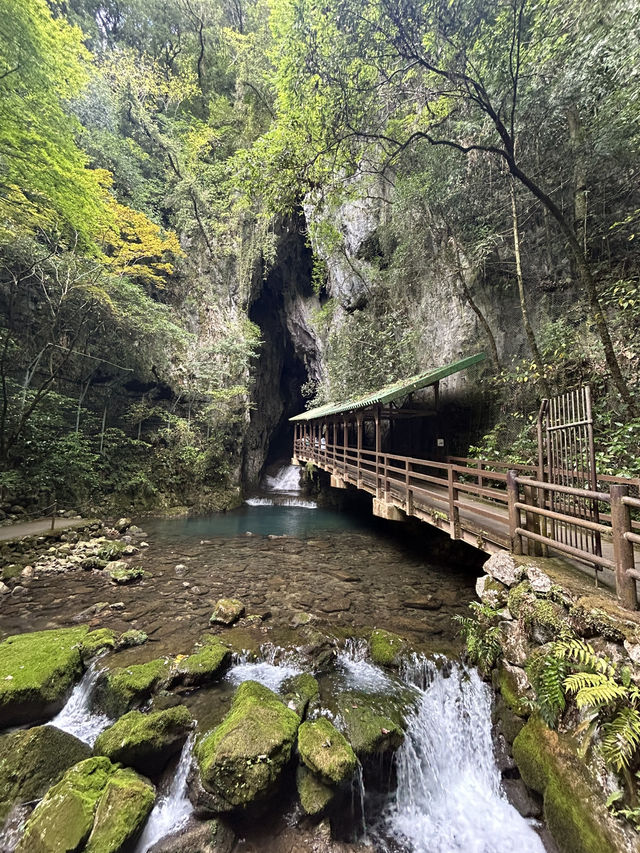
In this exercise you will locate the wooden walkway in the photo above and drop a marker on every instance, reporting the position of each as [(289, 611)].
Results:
[(489, 508)]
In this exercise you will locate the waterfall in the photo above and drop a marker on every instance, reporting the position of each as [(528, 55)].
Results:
[(272, 670), (448, 796), (358, 672), (286, 480), (173, 809), (76, 717)]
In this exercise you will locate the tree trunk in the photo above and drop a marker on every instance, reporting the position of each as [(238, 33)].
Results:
[(526, 323)]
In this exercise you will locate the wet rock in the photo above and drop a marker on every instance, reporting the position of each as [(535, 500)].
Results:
[(386, 648), (202, 667), (96, 642), (302, 618), (514, 685), (136, 531), (298, 691), (123, 524), (18, 590), (521, 798), (37, 671), (502, 567), (314, 795), (33, 760), (111, 550), (4, 589), (146, 742), (242, 759), (374, 723), (131, 638), (211, 836), (96, 807), (91, 611), (429, 602), (227, 611), (119, 690), (90, 564), (326, 752), (515, 647)]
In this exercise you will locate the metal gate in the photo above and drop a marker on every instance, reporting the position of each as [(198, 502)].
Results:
[(566, 457)]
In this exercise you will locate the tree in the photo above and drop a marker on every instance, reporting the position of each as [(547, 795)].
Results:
[(360, 83)]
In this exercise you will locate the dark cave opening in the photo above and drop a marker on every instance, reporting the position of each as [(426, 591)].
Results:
[(288, 349)]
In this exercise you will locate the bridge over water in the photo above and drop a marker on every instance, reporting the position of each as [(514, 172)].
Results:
[(492, 505)]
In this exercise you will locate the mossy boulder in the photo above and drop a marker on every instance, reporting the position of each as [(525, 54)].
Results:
[(314, 795), (202, 667), (146, 742), (197, 836), (96, 642), (33, 760), (96, 807), (326, 752), (514, 686), (386, 648), (37, 672), (119, 690), (374, 722), (227, 611), (298, 691), (242, 759), (576, 817), (111, 550), (131, 638), (121, 813), (122, 573)]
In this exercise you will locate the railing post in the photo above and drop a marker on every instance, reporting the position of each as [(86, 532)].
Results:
[(409, 497), (454, 512), (622, 548), (514, 513), (532, 522), (480, 478), (54, 511)]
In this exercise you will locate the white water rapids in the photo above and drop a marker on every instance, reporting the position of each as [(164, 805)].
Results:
[(282, 488), (76, 717), (287, 479), (448, 797)]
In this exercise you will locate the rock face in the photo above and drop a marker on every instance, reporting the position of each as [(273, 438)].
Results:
[(119, 690), (502, 567), (227, 611), (374, 722), (314, 795), (96, 807), (212, 836), (326, 752), (37, 671), (146, 742), (33, 760), (241, 760), (202, 667), (298, 691)]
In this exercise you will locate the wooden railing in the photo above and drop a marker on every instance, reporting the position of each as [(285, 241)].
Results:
[(494, 509)]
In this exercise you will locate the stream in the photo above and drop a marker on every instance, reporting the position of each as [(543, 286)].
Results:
[(283, 557)]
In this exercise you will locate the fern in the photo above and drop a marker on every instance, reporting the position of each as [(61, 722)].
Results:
[(621, 738), (547, 674), (483, 638)]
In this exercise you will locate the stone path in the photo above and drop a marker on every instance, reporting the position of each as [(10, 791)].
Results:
[(32, 528)]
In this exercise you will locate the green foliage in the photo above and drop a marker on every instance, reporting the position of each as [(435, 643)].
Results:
[(547, 674), (482, 635)]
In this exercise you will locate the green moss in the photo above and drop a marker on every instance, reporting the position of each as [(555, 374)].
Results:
[(326, 752), (37, 671), (12, 571), (96, 642), (508, 687), (518, 596), (64, 818), (314, 795), (241, 760), (374, 722), (111, 550), (594, 614), (577, 819), (122, 573), (127, 687), (145, 741), (32, 761), (121, 813), (386, 647), (227, 611), (202, 667), (131, 638), (299, 690)]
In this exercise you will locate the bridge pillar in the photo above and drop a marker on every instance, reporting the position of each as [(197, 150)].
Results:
[(389, 511), (337, 482)]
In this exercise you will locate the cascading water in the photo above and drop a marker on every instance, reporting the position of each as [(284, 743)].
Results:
[(282, 487), (271, 671), (173, 809), (76, 717), (448, 796), (287, 479)]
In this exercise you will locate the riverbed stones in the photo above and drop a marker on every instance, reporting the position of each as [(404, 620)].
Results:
[(211, 836), (96, 807), (121, 689), (37, 671), (242, 759), (227, 611), (502, 567), (146, 742), (122, 573), (4, 589), (386, 648), (33, 760), (374, 723), (299, 691), (203, 667), (326, 752)]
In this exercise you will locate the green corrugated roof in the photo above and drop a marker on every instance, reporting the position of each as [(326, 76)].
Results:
[(391, 392)]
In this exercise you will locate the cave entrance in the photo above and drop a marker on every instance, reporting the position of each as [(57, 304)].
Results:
[(290, 346)]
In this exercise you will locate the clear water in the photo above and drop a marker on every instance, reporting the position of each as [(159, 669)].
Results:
[(261, 520), (76, 717), (172, 809), (449, 798)]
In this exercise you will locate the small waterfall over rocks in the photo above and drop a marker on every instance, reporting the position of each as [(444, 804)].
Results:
[(448, 797), (76, 717), (173, 809), (287, 479), (274, 668)]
